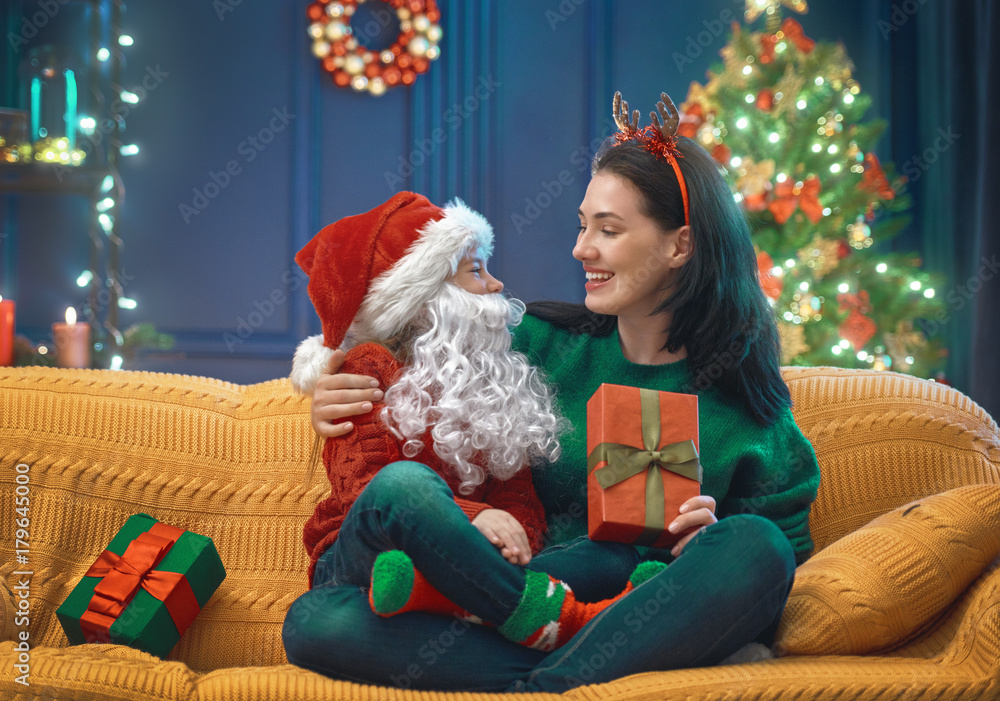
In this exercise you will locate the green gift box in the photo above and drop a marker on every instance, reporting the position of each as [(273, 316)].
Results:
[(144, 589)]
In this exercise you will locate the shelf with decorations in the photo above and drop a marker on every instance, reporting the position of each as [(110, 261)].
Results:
[(67, 139)]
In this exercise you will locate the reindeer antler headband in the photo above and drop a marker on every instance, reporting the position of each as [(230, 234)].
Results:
[(660, 140)]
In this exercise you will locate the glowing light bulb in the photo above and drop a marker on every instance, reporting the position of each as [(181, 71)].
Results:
[(105, 204), (817, 148), (84, 279), (773, 137), (125, 40), (746, 70), (835, 168), (749, 98), (801, 104), (736, 162), (742, 123), (929, 293), (881, 267), (103, 55), (915, 285)]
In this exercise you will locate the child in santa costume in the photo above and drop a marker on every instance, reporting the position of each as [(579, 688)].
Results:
[(435, 479)]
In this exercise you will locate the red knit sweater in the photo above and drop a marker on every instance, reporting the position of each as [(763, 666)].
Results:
[(352, 460)]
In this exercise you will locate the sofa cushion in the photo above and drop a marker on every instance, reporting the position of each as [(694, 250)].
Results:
[(886, 582)]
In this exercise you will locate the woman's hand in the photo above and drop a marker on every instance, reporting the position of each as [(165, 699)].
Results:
[(696, 512), (338, 396), (505, 532)]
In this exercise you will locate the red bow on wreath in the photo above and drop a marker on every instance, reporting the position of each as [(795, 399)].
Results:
[(789, 195), (790, 30)]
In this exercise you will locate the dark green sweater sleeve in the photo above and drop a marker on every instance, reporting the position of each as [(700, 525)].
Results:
[(777, 476)]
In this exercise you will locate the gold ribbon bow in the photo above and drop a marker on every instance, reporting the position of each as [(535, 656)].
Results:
[(626, 461)]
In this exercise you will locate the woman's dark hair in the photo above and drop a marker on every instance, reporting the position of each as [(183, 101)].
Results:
[(720, 314)]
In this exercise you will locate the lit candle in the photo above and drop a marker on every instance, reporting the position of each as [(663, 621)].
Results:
[(72, 342), (6, 331)]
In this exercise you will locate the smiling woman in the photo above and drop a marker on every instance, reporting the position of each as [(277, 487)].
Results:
[(672, 304)]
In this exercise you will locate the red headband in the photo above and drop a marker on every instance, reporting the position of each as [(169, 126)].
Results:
[(660, 140)]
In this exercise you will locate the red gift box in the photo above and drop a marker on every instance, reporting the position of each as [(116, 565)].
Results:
[(642, 448)]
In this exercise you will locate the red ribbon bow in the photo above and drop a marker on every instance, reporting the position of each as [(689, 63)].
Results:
[(788, 195), (792, 31), (874, 180), (123, 576)]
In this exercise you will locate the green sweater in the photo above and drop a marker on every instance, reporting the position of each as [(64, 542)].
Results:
[(770, 471)]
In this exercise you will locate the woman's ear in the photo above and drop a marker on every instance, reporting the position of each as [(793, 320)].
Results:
[(685, 243), (681, 247)]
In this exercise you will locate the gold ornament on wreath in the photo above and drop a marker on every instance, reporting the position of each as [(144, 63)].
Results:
[(350, 63)]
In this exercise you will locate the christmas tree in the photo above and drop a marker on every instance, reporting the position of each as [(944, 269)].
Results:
[(782, 115)]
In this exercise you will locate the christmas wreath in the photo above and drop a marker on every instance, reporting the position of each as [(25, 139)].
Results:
[(350, 62)]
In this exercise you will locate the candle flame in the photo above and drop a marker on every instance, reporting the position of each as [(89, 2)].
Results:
[(70, 315)]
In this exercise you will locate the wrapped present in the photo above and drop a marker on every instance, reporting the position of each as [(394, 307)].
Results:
[(145, 588), (642, 464)]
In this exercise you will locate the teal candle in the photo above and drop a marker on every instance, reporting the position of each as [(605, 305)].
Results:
[(70, 108)]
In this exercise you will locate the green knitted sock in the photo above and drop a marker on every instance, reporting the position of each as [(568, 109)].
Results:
[(397, 586), (645, 571)]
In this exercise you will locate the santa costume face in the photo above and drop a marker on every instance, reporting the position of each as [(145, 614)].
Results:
[(472, 275), (413, 277), (487, 410)]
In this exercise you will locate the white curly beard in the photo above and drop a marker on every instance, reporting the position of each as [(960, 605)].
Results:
[(487, 409)]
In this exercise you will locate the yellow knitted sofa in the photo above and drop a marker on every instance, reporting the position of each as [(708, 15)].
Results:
[(226, 461)]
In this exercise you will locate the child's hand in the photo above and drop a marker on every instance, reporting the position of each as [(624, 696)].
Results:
[(505, 532), (338, 396)]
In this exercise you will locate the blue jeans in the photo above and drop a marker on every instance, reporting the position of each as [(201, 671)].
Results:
[(727, 588)]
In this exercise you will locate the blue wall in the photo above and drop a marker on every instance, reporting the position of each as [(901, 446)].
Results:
[(522, 92)]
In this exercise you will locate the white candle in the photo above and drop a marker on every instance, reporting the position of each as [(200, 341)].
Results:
[(72, 342)]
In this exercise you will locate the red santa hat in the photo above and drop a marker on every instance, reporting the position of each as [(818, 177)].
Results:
[(373, 272)]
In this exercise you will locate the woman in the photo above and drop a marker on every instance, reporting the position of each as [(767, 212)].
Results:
[(673, 304)]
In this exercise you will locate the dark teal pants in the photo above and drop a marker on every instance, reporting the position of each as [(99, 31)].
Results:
[(727, 588)]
